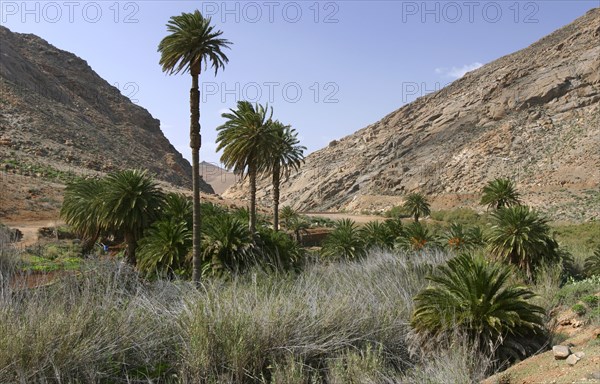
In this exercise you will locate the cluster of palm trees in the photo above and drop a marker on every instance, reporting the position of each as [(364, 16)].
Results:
[(253, 144), (517, 234), (157, 228)]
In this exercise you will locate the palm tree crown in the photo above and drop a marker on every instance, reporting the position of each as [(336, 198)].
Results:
[(81, 209), (191, 42), (471, 296), (246, 139), (131, 201), (522, 238), (417, 205), (500, 193), (286, 156)]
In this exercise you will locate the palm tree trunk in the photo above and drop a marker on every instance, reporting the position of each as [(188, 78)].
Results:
[(276, 174), (252, 213), (131, 244), (88, 243), (195, 143)]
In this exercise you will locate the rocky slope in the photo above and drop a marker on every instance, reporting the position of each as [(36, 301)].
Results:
[(219, 179), (57, 112), (533, 116)]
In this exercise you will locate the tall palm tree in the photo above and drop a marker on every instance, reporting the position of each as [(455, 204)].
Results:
[(522, 238), (500, 193), (81, 210), (286, 156), (130, 202), (470, 296), (246, 139), (192, 41), (417, 205)]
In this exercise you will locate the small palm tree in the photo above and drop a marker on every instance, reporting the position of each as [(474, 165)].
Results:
[(473, 297), (286, 156), (131, 202), (164, 248), (179, 208), (246, 139), (287, 214), (344, 242), (460, 238), (192, 42), (278, 250), (592, 263), (522, 238), (81, 210), (416, 237), (377, 235), (500, 193), (227, 244), (417, 205), (395, 227), (298, 225)]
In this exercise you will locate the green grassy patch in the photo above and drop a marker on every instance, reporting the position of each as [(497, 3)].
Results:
[(54, 256)]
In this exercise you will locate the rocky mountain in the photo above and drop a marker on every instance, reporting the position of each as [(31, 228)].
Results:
[(55, 111), (533, 116), (219, 179)]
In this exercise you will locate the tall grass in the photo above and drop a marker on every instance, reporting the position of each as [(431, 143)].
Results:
[(345, 322)]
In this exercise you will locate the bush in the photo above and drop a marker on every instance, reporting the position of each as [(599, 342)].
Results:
[(573, 291), (398, 211), (579, 309), (591, 300), (473, 298), (344, 242), (459, 215)]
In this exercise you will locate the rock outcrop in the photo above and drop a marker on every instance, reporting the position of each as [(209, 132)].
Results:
[(56, 111), (533, 115)]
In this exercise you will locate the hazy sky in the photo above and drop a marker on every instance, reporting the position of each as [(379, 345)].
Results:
[(328, 68)]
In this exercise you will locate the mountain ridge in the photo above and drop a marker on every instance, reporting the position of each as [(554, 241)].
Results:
[(531, 115), (57, 111)]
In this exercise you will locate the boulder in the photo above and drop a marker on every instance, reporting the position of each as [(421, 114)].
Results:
[(572, 359), (561, 352)]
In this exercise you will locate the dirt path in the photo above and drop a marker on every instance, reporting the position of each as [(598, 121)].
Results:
[(30, 229)]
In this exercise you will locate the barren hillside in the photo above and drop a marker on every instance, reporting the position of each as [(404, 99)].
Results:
[(533, 116), (55, 111)]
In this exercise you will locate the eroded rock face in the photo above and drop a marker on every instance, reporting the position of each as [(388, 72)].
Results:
[(533, 116), (56, 110)]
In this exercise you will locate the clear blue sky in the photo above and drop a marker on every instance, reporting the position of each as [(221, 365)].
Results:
[(328, 68)]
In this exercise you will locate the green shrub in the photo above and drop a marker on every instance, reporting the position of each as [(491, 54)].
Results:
[(459, 215), (472, 297), (591, 300), (397, 211), (579, 309), (573, 291)]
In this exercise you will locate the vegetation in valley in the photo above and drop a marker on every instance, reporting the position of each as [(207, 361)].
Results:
[(159, 287)]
